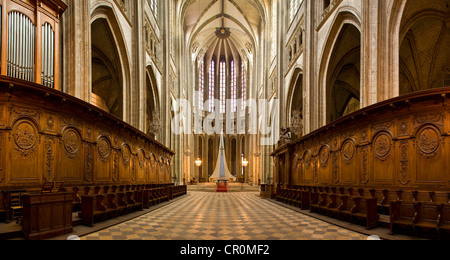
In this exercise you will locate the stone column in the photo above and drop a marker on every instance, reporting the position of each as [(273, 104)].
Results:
[(370, 49), (76, 30)]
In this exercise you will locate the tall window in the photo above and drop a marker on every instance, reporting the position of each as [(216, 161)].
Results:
[(212, 78), (201, 85), (154, 7), (233, 87), (244, 85), (274, 28), (294, 6), (223, 86)]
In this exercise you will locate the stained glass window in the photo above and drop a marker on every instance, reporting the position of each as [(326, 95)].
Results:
[(244, 85), (233, 87), (201, 85), (212, 71), (223, 86)]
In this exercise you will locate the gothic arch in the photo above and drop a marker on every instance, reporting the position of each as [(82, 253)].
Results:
[(344, 20), (234, 156), (152, 102), (295, 95), (110, 62), (397, 7), (211, 161), (408, 72), (424, 40)]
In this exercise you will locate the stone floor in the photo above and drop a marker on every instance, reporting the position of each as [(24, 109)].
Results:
[(224, 216)]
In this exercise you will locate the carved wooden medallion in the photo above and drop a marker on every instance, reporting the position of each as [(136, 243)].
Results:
[(25, 139), (126, 155), (104, 148), (308, 159), (24, 136), (428, 142), (141, 158), (324, 156), (382, 146), (348, 151), (72, 142)]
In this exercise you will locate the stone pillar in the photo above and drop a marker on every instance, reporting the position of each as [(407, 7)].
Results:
[(76, 30), (370, 50)]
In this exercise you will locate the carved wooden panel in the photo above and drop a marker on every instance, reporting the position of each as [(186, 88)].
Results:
[(429, 155), (140, 166), (125, 164), (50, 160), (71, 159), (103, 162), (402, 143), (295, 168), (324, 167), (383, 157), (71, 141), (308, 166), (349, 165), (24, 153)]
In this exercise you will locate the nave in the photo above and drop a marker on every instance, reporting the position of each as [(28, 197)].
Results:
[(224, 216)]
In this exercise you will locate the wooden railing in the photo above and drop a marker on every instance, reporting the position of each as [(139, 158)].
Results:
[(48, 136), (402, 143)]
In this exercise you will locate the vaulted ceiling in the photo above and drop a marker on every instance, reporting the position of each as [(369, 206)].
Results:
[(202, 18)]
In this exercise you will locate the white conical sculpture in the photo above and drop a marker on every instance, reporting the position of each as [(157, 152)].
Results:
[(222, 172)]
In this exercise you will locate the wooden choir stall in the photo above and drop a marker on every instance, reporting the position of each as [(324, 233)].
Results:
[(385, 162), (47, 136)]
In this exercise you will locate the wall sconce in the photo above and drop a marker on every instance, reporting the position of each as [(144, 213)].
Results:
[(245, 163), (198, 162)]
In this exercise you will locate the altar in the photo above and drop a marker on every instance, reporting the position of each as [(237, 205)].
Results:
[(222, 174)]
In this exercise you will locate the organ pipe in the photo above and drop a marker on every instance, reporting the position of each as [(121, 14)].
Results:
[(28, 43), (21, 42), (48, 42)]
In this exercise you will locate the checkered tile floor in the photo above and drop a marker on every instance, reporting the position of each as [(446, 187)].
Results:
[(224, 216)]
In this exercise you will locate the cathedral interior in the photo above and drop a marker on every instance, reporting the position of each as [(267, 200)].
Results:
[(330, 110)]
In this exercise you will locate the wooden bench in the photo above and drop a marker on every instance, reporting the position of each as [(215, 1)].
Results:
[(105, 202), (427, 218), (419, 218), (305, 199), (4, 205), (444, 221), (76, 199), (314, 199), (333, 203), (403, 216), (154, 197), (366, 210), (179, 190), (385, 203), (281, 194), (347, 205), (289, 196), (92, 209), (296, 198), (357, 208), (108, 203), (161, 194)]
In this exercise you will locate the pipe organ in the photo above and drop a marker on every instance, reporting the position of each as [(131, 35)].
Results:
[(48, 57), (29, 48), (21, 32)]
